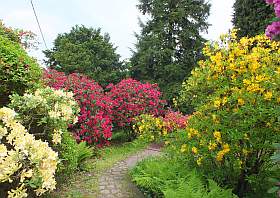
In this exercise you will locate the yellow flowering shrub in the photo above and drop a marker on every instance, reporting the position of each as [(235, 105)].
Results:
[(149, 127), (154, 128), (26, 164), (235, 92), (47, 115)]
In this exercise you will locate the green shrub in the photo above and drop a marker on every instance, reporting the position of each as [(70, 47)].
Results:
[(18, 72), (72, 154), (171, 177), (235, 93), (8, 33)]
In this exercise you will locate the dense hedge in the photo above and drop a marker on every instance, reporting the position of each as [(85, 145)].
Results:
[(18, 72)]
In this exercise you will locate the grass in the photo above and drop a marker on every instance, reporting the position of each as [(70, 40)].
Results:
[(85, 184)]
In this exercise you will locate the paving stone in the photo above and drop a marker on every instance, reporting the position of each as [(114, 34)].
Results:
[(114, 183)]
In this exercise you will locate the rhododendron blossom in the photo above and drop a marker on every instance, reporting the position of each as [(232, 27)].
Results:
[(100, 110), (273, 30), (95, 121), (133, 98)]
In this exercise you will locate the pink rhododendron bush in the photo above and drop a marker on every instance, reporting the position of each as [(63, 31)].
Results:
[(95, 120), (133, 98), (100, 110)]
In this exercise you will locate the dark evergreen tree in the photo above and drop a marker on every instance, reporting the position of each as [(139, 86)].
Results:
[(170, 43), (85, 50), (251, 16)]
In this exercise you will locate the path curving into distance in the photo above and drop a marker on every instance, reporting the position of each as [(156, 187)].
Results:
[(116, 183)]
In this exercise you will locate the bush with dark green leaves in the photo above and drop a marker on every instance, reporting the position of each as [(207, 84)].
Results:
[(18, 71), (251, 17), (86, 51)]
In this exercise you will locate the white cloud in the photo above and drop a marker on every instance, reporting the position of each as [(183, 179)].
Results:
[(118, 18)]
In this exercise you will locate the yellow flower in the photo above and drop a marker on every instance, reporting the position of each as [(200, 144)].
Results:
[(194, 150), (3, 131), (166, 142), (3, 151), (268, 124), (56, 136), (25, 174), (164, 132), (245, 151), (246, 82), (240, 163), (217, 103), (212, 146), (224, 100), (183, 148), (189, 135), (246, 137), (220, 156), (268, 95), (241, 102), (226, 148), (217, 135), (192, 132), (199, 161), (141, 128)]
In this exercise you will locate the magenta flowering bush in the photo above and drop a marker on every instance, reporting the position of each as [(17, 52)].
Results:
[(273, 30), (132, 98), (95, 120), (100, 110)]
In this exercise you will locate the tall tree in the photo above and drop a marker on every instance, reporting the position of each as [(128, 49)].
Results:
[(85, 50), (251, 16), (170, 43)]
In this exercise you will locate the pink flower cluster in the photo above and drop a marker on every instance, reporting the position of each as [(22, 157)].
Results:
[(175, 120), (273, 30), (101, 110), (95, 120), (133, 98)]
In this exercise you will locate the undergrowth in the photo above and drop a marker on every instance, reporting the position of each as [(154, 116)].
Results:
[(171, 177)]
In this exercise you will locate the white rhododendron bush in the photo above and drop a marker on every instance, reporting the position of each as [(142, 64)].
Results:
[(47, 113), (27, 165)]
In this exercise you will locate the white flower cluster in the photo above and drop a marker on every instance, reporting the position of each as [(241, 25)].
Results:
[(57, 106), (22, 158)]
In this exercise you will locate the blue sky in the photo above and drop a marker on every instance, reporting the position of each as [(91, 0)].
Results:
[(117, 17)]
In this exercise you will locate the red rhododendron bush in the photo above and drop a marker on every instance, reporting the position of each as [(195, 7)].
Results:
[(95, 120), (133, 98), (99, 110)]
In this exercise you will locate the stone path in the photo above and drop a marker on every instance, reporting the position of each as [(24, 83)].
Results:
[(115, 182)]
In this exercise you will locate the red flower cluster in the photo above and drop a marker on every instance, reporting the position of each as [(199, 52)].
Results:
[(175, 120), (133, 98), (99, 110), (95, 121)]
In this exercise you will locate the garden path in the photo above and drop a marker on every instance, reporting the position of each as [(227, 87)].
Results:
[(115, 182)]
